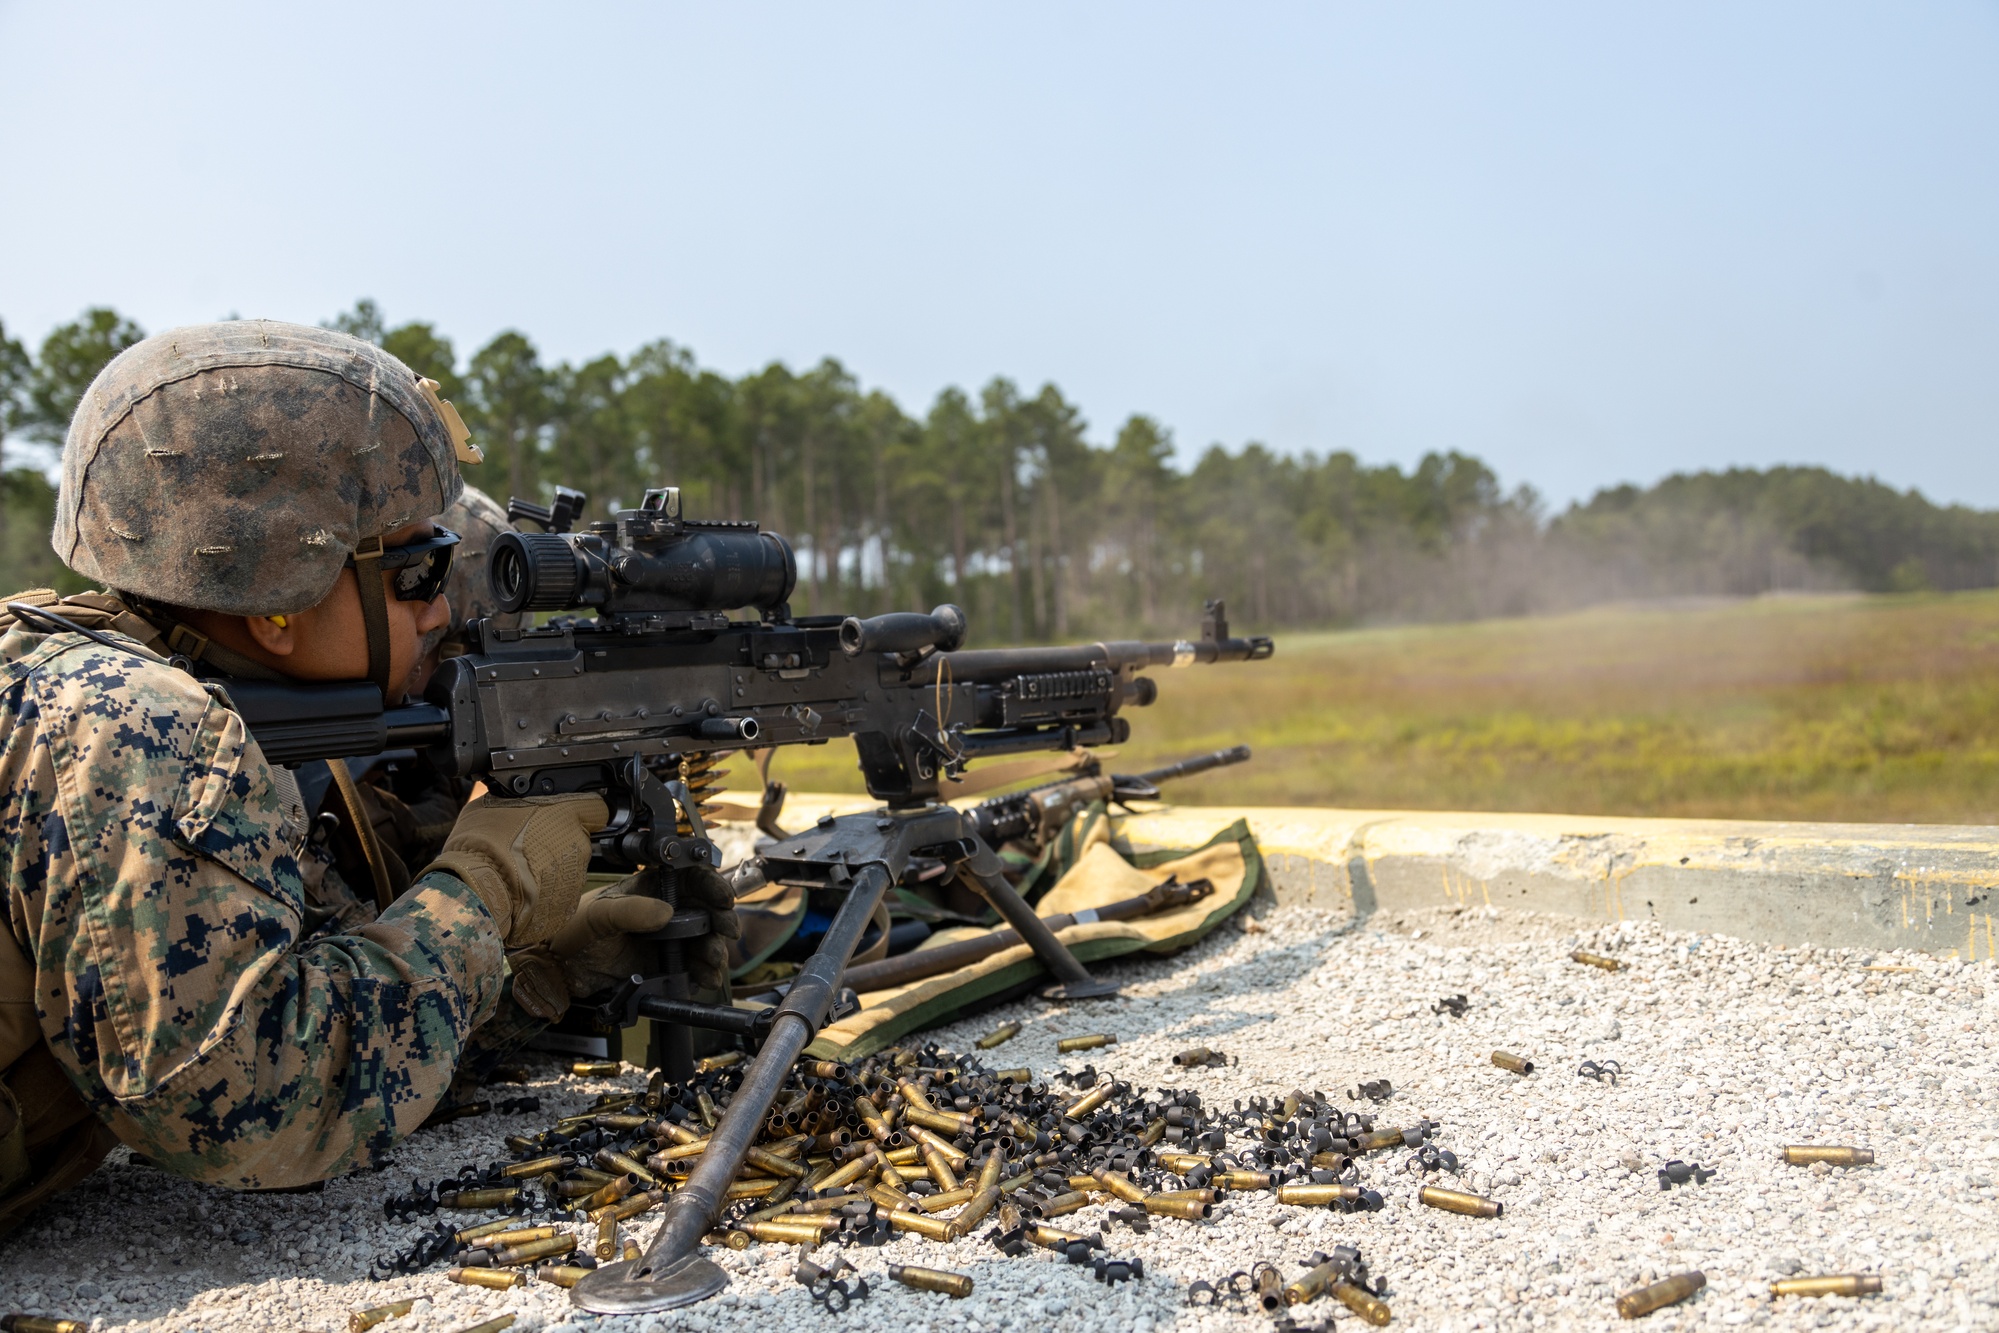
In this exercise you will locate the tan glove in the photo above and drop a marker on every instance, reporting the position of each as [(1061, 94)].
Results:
[(596, 946), (525, 858)]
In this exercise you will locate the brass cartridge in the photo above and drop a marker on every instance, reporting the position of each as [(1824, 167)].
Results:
[(1804, 1154), (493, 1325), (1085, 1184), (939, 1167), (1085, 1043), (709, 1064), (1054, 1238), (889, 1198), (831, 1069), (935, 1228), (630, 1252), (1194, 1210), (950, 1122), (952, 1152), (576, 1189), (1119, 1184), (710, 1114), (483, 1230), (561, 1275), (520, 1143), (612, 1160), (1381, 1138), (621, 1120), (1362, 1302), (539, 1166), (1451, 1201), (1199, 1195), (937, 1203), (1013, 1183), (735, 1240), (831, 1203), (1065, 1203), (1152, 1133), (484, 1198), (32, 1323), (1088, 1102), (666, 1129), (848, 1174), (871, 1117), (1329, 1161), (1515, 1063), (906, 1156), (1314, 1283), (495, 1278), (1193, 1055), (765, 1160), (975, 1212), (679, 1151), (1014, 1075), (528, 1252), (358, 1322), (1000, 1035), (989, 1171), (891, 1175), (1844, 1284), (499, 1240), (792, 1230), (608, 1194), (754, 1189), (596, 1068), (1270, 1288), (955, 1285), (1659, 1295), (1244, 1180), (631, 1206), (1180, 1163), (1595, 960), (592, 1174), (1317, 1196), (607, 1238)]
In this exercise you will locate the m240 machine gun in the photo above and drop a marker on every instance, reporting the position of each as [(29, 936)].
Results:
[(634, 702)]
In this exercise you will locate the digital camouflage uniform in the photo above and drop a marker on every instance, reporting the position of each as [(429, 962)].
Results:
[(155, 952)]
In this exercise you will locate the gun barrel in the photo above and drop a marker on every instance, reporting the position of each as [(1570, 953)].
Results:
[(1200, 763), (993, 665)]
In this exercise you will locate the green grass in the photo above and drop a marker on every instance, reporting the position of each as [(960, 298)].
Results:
[(1875, 709)]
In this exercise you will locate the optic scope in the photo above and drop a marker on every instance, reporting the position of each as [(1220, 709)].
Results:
[(643, 560)]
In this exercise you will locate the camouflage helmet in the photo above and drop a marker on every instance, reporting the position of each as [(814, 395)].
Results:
[(234, 467), (477, 519)]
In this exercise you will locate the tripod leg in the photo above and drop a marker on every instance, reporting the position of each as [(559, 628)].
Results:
[(981, 872), (671, 1049)]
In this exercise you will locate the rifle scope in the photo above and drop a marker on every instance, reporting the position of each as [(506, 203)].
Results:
[(643, 561)]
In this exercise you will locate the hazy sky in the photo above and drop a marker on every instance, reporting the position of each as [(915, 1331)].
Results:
[(1591, 243)]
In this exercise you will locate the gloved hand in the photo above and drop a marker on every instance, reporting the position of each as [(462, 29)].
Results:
[(596, 946), (525, 858)]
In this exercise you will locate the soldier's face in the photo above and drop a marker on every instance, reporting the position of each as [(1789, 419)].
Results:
[(330, 641)]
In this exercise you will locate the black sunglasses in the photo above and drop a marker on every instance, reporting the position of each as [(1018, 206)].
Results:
[(420, 568)]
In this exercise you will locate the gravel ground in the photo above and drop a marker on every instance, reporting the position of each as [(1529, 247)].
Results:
[(1728, 1049)]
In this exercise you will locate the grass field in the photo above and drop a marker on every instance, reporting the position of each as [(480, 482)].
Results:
[(1877, 709)]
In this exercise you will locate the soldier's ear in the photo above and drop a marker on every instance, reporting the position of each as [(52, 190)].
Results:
[(274, 634)]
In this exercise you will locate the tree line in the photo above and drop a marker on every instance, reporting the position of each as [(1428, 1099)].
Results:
[(1001, 500)]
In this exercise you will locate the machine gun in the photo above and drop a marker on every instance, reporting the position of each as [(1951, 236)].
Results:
[(1036, 815), (634, 702)]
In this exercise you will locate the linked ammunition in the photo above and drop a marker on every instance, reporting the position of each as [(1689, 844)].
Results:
[(1804, 1154), (1085, 1043), (1065, 1203), (607, 1238), (1362, 1302), (495, 1278), (1844, 1284), (1451, 1201), (935, 1228), (710, 1064), (1517, 1064), (514, 1256), (595, 1068), (1317, 1196), (485, 1198), (358, 1322), (1595, 960), (1089, 1101), (539, 1166), (1194, 1210), (1193, 1055), (561, 1275), (955, 1285), (1659, 1295), (1000, 1035)]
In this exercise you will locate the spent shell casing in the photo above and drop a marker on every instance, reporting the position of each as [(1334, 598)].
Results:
[(1204, 1195), (1089, 1101), (493, 1325), (792, 1230), (1362, 1302), (500, 1240), (539, 1166), (358, 1322), (1193, 1210), (533, 1251), (1154, 1131), (1014, 1075), (607, 1238), (1088, 1042), (1180, 1163), (561, 1275), (1000, 1035), (1314, 1283), (975, 1212), (1659, 1295), (934, 1228), (1842, 1284), (595, 1068), (1804, 1154), (709, 1064), (1584, 956), (1065, 1203), (955, 1285), (1244, 1180), (1053, 1238), (1451, 1201), (948, 1122), (842, 1176), (486, 1198), (989, 1171), (769, 1161), (608, 1194), (939, 1167), (621, 1120), (1270, 1288), (483, 1230), (612, 1160), (1317, 1196), (937, 1203), (631, 1251), (1518, 1064), (830, 1069), (1120, 1185), (34, 1323), (497, 1278), (1193, 1055)]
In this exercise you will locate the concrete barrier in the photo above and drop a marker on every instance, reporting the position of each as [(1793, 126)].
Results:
[(1884, 886)]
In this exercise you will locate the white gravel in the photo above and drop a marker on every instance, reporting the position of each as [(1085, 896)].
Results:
[(1729, 1051)]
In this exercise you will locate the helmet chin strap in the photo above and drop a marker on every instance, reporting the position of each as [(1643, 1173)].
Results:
[(374, 613)]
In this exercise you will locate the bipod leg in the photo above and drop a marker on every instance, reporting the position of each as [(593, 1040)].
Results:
[(982, 871), (672, 1273)]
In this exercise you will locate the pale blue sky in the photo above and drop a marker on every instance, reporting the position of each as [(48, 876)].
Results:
[(1591, 242)]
